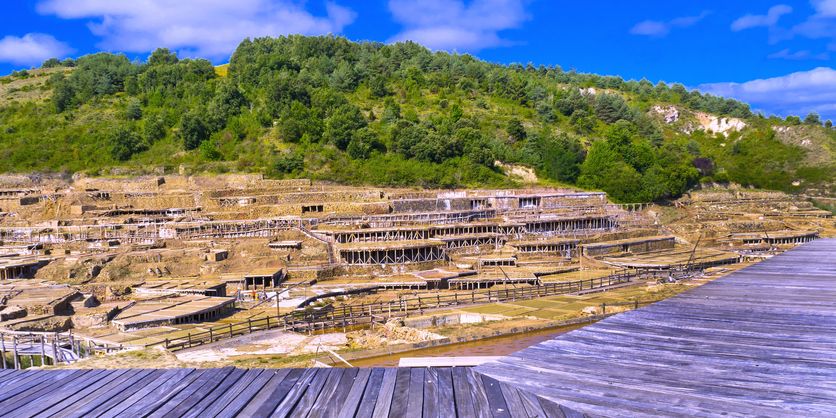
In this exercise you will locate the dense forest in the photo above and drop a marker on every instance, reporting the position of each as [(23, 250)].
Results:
[(401, 115)]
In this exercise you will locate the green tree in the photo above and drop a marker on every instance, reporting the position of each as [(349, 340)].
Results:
[(340, 126), (133, 110), (51, 63), (193, 130), (515, 130), (391, 110), (288, 163), (812, 118), (364, 141), (162, 56), (124, 144), (154, 129)]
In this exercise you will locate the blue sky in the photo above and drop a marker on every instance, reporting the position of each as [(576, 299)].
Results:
[(777, 55)]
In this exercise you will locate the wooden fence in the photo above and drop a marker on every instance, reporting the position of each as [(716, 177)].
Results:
[(23, 349), (345, 316)]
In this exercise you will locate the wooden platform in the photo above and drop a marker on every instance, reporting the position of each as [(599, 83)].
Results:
[(324, 392), (759, 342)]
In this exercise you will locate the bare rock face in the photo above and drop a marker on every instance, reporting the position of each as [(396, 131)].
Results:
[(669, 113), (714, 124)]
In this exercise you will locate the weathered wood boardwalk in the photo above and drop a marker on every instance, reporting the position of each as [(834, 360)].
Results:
[(759, 342), (324, 392)]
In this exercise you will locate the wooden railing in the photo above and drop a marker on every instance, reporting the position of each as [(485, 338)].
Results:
[(345, 316)]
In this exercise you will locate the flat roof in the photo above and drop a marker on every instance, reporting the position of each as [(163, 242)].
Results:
[(170, 309)]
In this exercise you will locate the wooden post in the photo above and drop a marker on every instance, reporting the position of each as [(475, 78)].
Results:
[(189, 338), (250, 325), (268, 322), (43, 351), (230, 330), (211, 337), (14, 353), (3, 348)]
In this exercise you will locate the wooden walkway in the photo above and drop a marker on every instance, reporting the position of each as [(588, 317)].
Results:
[(325, 392), (759, 342)]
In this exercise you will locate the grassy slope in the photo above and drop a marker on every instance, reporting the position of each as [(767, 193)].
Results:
[(76, 150)]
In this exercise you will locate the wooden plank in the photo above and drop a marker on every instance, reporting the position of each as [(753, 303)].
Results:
[(481, 406), (462, 393), (431, 389), (100, 384), (234, 405), (515, 404), (322, 401), (114, 396), (248, 379), (313, 387), (271, 395), (415, 400), (171, 380), (50, 395), (496, 399), (198, 407), (12, 395), (370, 394), (296, 392), (355, 395), (60, 389), (446, 403), (203, 385), (386, 395), (336, 402), (32, 379), (400, 396), (532, 405)]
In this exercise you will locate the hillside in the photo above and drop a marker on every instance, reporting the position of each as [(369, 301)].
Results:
[(368, 113)]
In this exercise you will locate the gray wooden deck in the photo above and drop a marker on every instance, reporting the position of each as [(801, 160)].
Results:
[(393, 392), (759, 342)]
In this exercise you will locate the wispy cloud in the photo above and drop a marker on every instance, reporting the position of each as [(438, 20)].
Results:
[(770, 19), (455, 25), (787, 54), (31, 49), (211, 28), (797, 93), (657, 28), (822, 24)]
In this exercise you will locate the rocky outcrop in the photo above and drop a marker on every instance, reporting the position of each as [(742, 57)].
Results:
[(698, 121), (669, 113)]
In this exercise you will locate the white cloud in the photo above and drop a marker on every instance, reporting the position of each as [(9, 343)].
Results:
[(768, 20), (825, 8), (31, 49), (787, 54), (454, 25), (210, 28), (660, 29), (819, 25), (797, 93)]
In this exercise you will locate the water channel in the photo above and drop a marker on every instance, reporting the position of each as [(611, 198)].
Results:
[(495, 346)]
